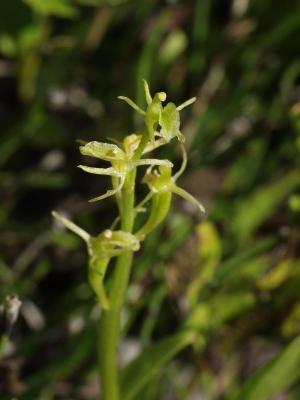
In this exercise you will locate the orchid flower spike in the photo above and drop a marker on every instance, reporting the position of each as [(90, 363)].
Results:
[(161, 122), (121, 160), (101, 249)]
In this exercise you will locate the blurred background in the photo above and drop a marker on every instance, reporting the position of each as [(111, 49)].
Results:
[(233, 275)]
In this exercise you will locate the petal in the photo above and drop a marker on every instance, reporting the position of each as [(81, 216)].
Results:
[(110, 193), (186, 103), (153, 161), (183, 164), (180, 137), (139, 208), (100, 171), (154, 145), (73, 227), (132, 104), (187, 196)]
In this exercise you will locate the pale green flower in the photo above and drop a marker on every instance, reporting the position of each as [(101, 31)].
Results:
[(161, 122), (162, 185), (161, 181), (101, 249), (121, 160)]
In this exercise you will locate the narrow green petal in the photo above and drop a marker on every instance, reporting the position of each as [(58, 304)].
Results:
[(154, 145), (110, 193), (180, 137), (188, 197), (132, 104), (139, 207), (100, 171), (183, 164), (186, 103), (154, 161), (73, 227)]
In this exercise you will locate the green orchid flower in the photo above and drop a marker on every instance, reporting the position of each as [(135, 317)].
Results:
[(101, 249), (161, 122), (162, 185), (121, 159)]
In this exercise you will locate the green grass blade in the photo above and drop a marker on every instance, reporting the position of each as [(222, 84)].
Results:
[(275, 377), (142, 369)]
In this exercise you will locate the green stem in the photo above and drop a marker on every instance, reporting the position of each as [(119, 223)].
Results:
[(109, 333)]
